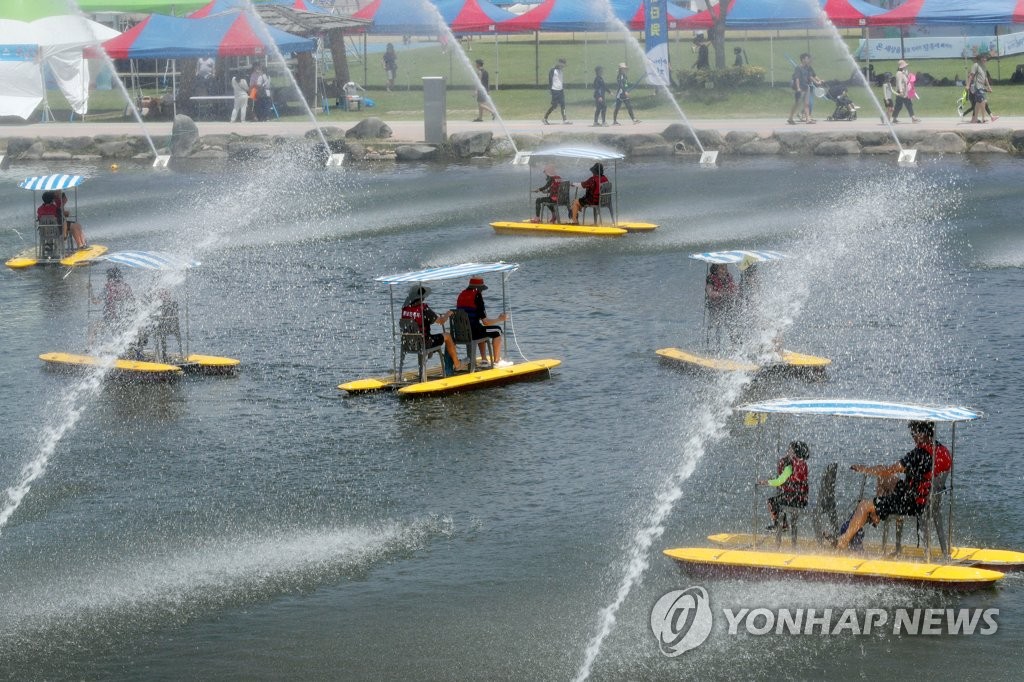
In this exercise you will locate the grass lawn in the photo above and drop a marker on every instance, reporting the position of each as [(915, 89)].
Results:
[(516, 64)]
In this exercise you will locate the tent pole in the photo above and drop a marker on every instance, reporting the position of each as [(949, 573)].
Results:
[(536, 57), (497, 62), (364, 58)]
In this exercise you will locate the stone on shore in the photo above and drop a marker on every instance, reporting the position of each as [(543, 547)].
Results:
[(837, 148), (184, 135), (369, 128), (468, 144), (415, 152)]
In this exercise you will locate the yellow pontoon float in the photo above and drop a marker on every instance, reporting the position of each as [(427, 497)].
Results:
[(946, 566), (161, 349), (52, 248), (785, 360), (442, 379), (608, 193)]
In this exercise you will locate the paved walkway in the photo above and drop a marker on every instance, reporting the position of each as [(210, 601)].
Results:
[(413, 130)]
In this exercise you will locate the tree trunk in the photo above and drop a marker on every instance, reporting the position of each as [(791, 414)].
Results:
[(716, 34), (336, 39), (305, 76)]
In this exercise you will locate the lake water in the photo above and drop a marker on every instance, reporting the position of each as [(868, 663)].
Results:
[(265, 526)]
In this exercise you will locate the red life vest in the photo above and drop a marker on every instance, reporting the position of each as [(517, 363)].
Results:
[(796, 484), (942, 461), (467, 301), (556, 180), (415, 313)]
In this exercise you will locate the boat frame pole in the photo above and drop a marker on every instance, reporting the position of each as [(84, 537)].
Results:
[(949, 490)]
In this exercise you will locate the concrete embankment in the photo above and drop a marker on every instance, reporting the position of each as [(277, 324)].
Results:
[(374, 139)]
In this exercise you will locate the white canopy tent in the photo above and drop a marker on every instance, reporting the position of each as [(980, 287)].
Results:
[(56, 42)]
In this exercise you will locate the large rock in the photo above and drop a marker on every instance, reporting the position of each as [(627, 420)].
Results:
[(737, 138), (369, 128), (470, 143), (677, 131), (874, 138), (16, 146), (501, 147), (941, 143), (1016, 140), (759, 147), (117, 149), (986, 147), (796, 141), (652, 149), (415, 152), (184, 135), (837, 148), (77, 144)]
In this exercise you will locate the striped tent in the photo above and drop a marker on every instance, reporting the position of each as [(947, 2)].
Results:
[(867, 409), (400, 17)]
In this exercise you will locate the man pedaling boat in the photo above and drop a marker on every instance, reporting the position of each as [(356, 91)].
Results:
[(907, 496)]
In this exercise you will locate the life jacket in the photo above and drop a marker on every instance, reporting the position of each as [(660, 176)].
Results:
[(724, 285), (47, 210), (467, 301), (796, 484), (556, 180), (414, 312), (942, 462)]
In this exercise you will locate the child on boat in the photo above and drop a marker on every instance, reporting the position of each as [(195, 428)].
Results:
[(550, 189), (53, 206), (792, 481)]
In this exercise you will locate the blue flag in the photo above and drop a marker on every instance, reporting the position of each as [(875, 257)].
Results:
[(656, 33)]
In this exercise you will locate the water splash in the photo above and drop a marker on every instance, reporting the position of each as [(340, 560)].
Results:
[(76, 11), (845, 51), (442, 27), (261, 27), (825, 256), (611, 18)]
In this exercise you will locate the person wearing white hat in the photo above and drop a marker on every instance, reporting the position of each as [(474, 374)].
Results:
[(550, 191), (622, 95), (901, 91), (978, 86)]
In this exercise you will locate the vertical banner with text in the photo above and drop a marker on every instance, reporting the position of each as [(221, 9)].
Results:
[(656, 33)]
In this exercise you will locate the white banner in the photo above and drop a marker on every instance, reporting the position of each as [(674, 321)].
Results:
[(940, 47)]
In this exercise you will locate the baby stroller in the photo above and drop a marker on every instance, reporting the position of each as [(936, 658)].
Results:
[(845, 110)]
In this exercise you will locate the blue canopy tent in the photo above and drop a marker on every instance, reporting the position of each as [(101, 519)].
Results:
[(400, 17)]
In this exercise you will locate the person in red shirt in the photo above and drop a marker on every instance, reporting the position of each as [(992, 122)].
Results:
[(593, 195), (48, 208), (59, 202), (550, 189)]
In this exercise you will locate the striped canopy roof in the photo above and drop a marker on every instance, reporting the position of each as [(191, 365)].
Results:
[(868, 409), (447, 272), (588, 153), (732, 257), (46, 182), (149, 260)]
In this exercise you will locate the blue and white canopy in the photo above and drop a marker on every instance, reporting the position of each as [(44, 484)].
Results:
[(448, 272), (867, 409), (148, 260), (51, 182), (586, 153), (733, 257)]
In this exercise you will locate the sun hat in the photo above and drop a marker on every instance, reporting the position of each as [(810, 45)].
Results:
[(477, 283), (902, 64), (549, 169), (417, 293), (622, 65)]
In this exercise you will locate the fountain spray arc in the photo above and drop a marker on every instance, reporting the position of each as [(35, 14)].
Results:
[(907, 157), (708, 158), (268, 40), (159, 160), (442, 27)]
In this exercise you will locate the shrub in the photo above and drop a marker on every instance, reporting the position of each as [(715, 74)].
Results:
[(734, 77)]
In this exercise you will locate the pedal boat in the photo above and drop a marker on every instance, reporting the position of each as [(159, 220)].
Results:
[(757, 554), (609, 199), (784, 361), (51, 248), (158, 361), (432, 381)]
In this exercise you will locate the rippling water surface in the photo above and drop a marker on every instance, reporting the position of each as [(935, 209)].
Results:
[(266, 527)]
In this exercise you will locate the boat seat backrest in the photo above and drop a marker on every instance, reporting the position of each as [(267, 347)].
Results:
[(462, 335), (415, 343), (564, 190)]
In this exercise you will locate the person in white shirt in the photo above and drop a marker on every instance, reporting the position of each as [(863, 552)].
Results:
[(556, 83)]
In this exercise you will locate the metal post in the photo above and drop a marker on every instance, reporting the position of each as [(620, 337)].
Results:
[(949, 492), (615, 193), (394, 334), (435, 123)]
